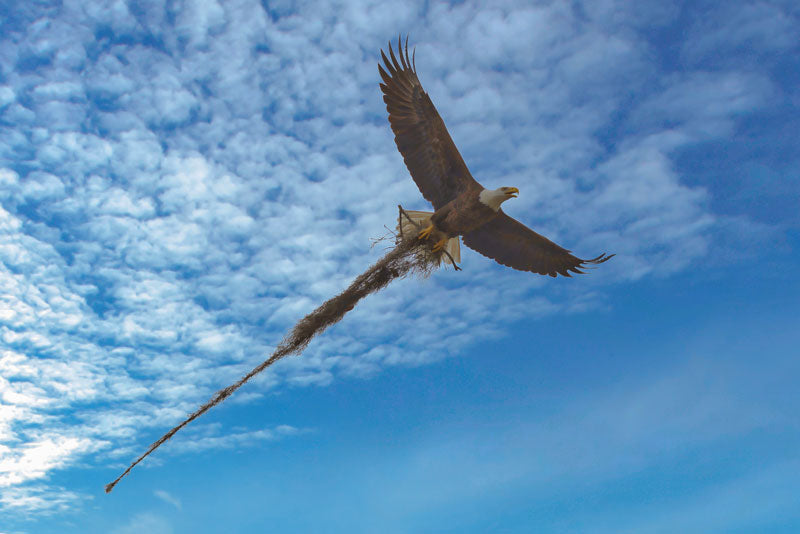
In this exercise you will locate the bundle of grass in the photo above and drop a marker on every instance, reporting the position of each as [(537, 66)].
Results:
[(409, 256), (409, 223)]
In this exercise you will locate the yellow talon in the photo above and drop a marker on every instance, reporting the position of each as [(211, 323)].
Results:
[(424, 234), (440, 245)]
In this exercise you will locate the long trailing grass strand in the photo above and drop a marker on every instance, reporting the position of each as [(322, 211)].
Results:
[(409, 256)]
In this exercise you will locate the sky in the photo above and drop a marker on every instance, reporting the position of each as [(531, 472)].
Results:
[(181, 181)]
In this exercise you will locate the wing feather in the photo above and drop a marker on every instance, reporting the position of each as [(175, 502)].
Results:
[(511, 243), (419, 132)]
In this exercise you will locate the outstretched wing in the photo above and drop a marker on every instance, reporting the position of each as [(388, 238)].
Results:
[(511, 243), (421, 136)]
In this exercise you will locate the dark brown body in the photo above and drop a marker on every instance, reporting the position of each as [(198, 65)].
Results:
[(462, 214)]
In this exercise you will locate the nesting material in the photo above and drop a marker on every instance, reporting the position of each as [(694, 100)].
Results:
[(410, 222), (409, 256)]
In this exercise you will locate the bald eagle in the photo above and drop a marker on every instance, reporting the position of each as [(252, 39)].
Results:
[(463, 207)]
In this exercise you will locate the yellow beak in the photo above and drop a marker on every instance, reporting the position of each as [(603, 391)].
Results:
[(512, 192)]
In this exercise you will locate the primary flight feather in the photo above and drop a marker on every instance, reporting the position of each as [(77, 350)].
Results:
[(463, 206)]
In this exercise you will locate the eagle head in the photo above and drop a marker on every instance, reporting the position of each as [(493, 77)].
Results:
[(494, 197)]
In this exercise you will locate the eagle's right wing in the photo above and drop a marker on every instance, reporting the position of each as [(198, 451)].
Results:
[(511, 243), (420, 134)]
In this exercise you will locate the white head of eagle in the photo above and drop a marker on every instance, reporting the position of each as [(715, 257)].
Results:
[(494, 197)]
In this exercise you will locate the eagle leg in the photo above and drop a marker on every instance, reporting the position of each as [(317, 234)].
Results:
[(425, 234), (440, 244)]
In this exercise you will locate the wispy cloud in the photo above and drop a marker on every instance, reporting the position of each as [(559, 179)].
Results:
[(168, 498), (604, 442), (145, 522), (35, 458), (40, 499), (213, 437), (754, 30)]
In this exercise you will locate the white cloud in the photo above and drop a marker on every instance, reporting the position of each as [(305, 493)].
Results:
[(755, 28), (6, 95), (145, 522), (168, 498), (42, 501), (702, 105), (208, 437), (34, 459), (199, 20)]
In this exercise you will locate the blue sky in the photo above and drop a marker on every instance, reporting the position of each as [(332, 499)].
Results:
[(181, 181)]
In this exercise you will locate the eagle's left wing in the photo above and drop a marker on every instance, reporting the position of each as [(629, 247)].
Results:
[(420, 134), (511, 243)]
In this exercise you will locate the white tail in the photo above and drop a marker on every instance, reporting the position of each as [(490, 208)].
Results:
[(422, 218)]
